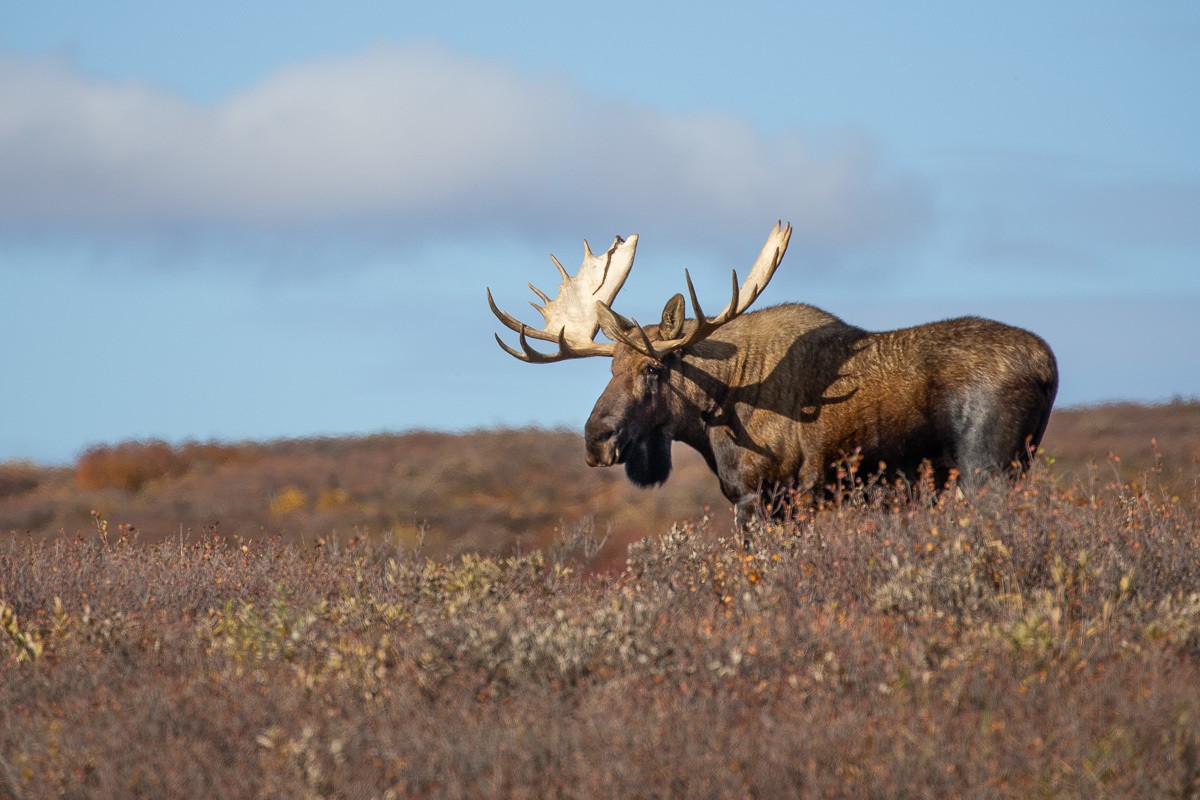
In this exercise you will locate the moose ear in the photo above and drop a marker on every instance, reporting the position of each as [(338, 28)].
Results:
[(671, 326)]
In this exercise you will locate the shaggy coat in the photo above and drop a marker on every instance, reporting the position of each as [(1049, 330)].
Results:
[(777, 397)]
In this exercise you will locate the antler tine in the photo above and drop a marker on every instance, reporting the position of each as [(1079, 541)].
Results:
[(733, 309), (565, 351), (561, 271), (742, 295), (699, 312), (646, 349), (516, 325), (644, 346), (534, 357), (765, 265), (508, 349), (529, 356), (618, 329)]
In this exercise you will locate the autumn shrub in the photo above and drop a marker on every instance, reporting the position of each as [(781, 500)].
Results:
[(1129, 441), (133, 464), (493, 492), (1038, 640), (17, 478), (127, 466), (288, 500), (1034, 640)]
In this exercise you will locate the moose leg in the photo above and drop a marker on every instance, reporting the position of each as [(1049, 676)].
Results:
[(741, 480), (990, 438), (747, 514)]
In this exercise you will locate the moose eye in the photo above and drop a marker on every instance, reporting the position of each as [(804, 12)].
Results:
[(655, 371)]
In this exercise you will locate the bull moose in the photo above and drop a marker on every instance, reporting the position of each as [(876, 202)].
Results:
[(775, 398)]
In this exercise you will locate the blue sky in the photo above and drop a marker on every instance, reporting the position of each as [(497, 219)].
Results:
[(260, 220)]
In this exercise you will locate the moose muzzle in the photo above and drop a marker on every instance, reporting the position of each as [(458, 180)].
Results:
[(600, 442)]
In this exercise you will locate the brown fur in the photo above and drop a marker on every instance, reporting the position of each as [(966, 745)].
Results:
[(777, 396)]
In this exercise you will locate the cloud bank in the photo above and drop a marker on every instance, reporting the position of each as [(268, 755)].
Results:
[(419, 141)]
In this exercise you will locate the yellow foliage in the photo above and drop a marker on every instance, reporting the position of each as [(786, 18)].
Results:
[(331, 499), (28, 642), (288, 500)]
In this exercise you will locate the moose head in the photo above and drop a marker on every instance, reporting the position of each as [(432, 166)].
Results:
[(632, 422)]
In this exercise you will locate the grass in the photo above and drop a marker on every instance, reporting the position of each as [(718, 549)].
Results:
[(1038, 641)]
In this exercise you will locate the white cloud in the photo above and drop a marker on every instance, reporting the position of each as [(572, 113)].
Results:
[(420, 140)]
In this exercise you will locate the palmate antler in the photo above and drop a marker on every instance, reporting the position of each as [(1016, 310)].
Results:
[(572, 318), (584, 305)]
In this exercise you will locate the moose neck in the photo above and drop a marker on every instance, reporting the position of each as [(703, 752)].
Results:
[(699, 387)]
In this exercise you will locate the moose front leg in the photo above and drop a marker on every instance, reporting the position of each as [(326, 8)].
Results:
[(741, 474), (756, 490), (748, 515)]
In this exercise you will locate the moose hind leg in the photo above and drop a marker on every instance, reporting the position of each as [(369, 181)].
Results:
[(980, 440), (994, 432)]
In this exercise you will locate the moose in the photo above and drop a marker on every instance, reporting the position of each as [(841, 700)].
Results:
[(776, 398)]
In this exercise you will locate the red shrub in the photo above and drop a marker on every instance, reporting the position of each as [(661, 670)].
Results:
[(131, 465)]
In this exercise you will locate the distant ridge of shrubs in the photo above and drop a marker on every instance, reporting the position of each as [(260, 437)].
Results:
[(133, 464), (496, 492), (17, 478)]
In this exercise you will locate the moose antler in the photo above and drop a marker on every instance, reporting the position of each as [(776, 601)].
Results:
[(572, 318), (617, 327)]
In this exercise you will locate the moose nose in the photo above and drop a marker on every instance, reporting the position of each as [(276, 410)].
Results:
[(600, 438)]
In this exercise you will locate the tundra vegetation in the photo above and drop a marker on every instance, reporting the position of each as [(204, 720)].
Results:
[(1039, 640)]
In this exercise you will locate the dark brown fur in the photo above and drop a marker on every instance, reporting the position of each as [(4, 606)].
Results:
[(777, 396)]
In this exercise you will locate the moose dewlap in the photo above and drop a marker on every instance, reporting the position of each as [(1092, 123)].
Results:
[(775, 398)]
